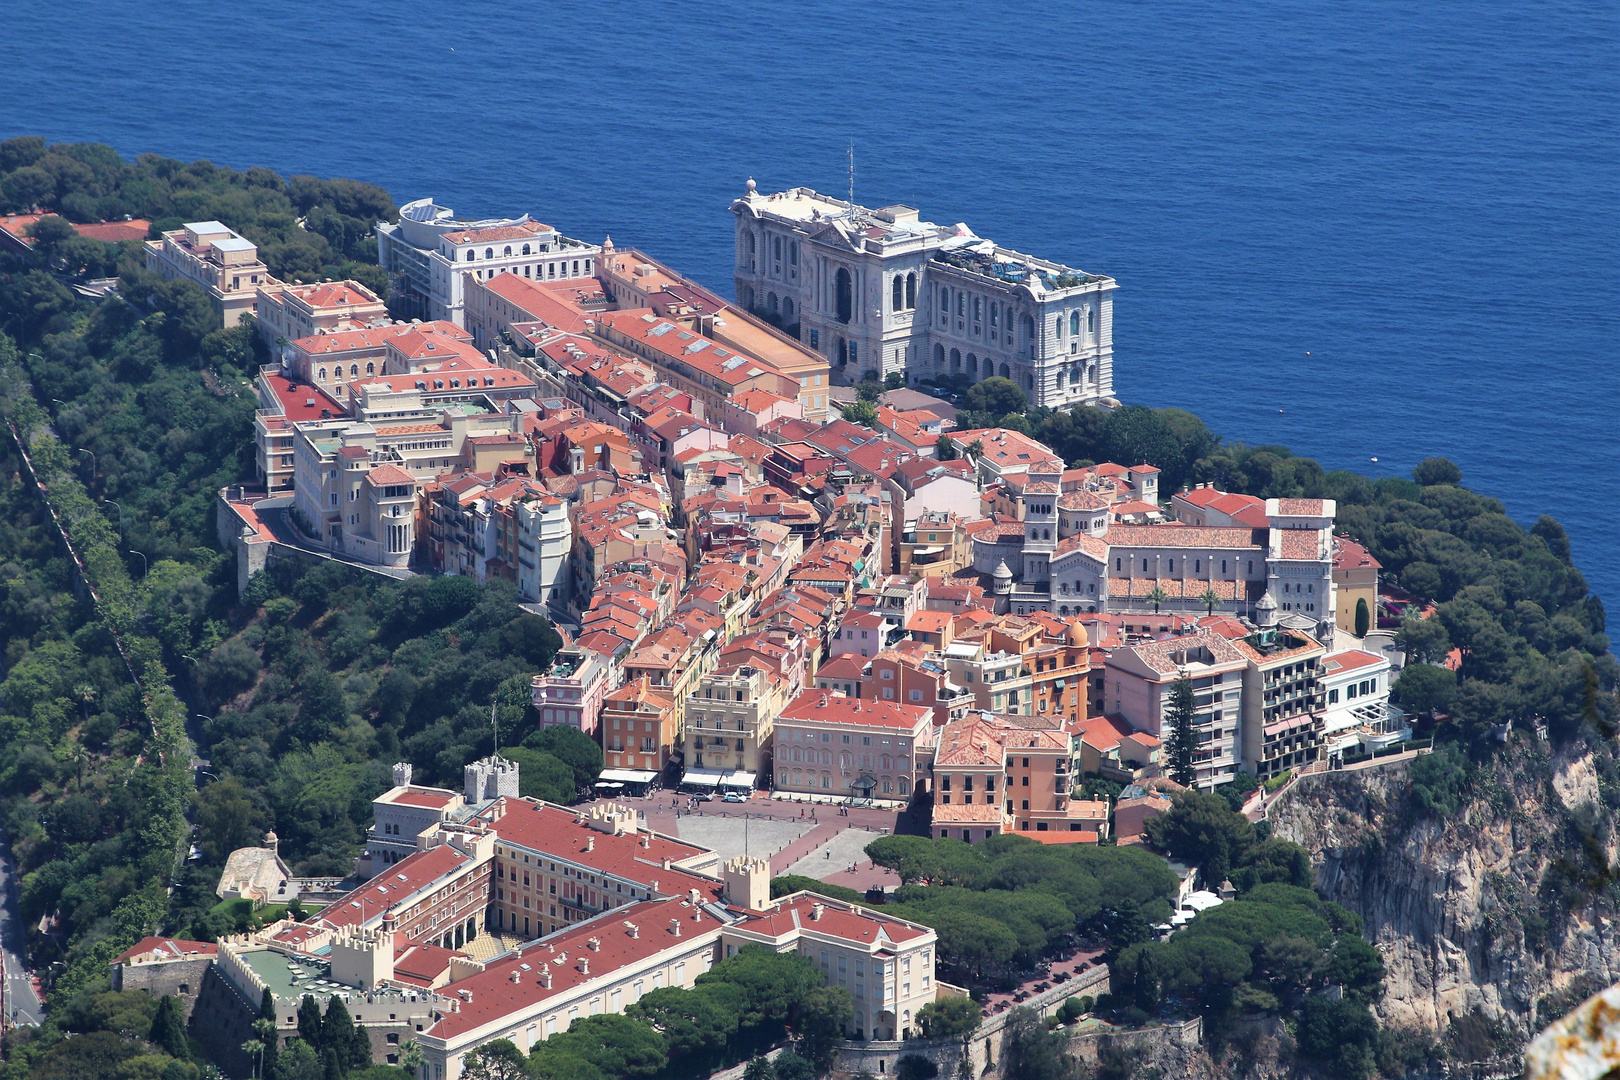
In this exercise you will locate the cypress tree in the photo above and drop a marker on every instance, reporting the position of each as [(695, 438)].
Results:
[(309, 1022), (169, 1028), (1180, 740), (267, 1032), (1363, 617)]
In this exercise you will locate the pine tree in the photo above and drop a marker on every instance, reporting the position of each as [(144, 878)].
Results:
[(169, 1028), (1180, 740)]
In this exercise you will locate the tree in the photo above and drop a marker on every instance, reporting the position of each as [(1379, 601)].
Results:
[(945, 449), (949, 1017), (1424, 641), (820, 1022), (226, 819), (499, 1059), (169, 1028), (309, 1021), (1156, 596), (542, 776), (894, 380), (861, 412), (1200, 829), (791, 1066), (1431, 472), (997, 396), (693, 1022), (298, 1062), (578, 751), (759, 1069), (1338, 1034), (1181, 739), (1363, 617), (1030, 1052), (1135, 434), (1210, 598), (1437, 780), (1425, 688)]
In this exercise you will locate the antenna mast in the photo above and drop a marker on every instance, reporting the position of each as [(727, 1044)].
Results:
[(852, 178)]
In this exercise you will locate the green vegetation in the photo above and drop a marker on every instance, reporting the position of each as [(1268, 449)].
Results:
[(737, 1009), (949, 1017), (1181, 739), (303, 692), (1000, 905), (86, 182), (792, 883)]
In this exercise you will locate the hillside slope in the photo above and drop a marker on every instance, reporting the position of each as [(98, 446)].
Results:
[(1492, 920)]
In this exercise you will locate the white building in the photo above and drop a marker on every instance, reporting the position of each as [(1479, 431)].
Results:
[(1355, 703), (430, 254), (883, 291)]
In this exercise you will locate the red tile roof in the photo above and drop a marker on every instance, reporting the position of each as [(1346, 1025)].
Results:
[(162, 948)]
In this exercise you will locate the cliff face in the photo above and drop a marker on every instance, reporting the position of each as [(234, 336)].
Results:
[(1499, 909)]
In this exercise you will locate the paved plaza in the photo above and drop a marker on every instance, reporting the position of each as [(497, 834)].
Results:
[(729, 834)]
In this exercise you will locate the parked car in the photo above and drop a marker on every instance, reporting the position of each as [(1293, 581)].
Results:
[(732, 796)]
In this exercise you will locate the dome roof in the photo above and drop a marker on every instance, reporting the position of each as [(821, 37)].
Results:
[(1001, 570)]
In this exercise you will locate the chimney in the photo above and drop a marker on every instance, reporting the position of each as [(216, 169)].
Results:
[(675, 927), (652, 886), (594, 944), (545, 977), (815, 912), (590, 843), (516, 976), (646, 840), (633, 930), (584, 965), (666, 862), (693, 897)]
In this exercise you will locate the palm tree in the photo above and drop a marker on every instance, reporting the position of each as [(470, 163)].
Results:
[(1210, 598), (1156, 596), (411, 1057), (254, 1049)]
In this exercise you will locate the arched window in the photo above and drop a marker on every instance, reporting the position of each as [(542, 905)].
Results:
[(1057, 326), (844, 295), (525, 249), (994, 308), (787, 309), (354, 371), (1005, 373), (956, 359), (489, 253), (508, 250), (1060, 380), (321, 375), (1029, 327), (469, 256), (1074, 322), (793, 253), (1091, 320), (776, 247), (1034, 534), (898, 301), (770, 302), (911, 291), (972, 364), (371, 369), (939, 357)]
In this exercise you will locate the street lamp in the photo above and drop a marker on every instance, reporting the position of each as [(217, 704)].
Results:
[(132, 551), (120, 506), (92, 454)]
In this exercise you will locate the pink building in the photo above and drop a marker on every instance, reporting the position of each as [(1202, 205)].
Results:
[(571, 692)]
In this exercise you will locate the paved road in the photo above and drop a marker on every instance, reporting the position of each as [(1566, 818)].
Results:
[(22, 1003)]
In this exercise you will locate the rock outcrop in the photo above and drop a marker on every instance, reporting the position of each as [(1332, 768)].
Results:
[(1492, 921)]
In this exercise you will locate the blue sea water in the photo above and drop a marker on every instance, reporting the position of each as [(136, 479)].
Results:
[(1360, 229)]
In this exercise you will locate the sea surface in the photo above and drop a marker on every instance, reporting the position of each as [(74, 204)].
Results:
[(1364, 230)]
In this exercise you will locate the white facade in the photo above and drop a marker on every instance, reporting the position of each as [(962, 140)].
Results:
[(545, 535), (882, 291), (430, 254)]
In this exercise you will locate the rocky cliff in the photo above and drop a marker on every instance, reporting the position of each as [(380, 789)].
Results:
[(1493, 920)]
